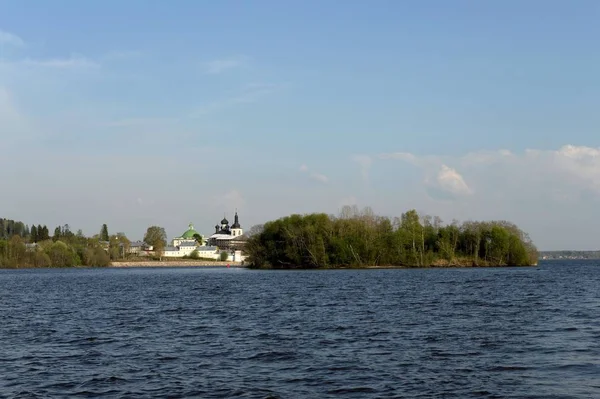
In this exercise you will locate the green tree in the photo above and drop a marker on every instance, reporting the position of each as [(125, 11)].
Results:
[(517, 252), (104, 233), (62, 255), (96, 256), (224, 256), (45, 233), (57, 234), (157, 237), (34, 234), (118, 246), (199, 239)]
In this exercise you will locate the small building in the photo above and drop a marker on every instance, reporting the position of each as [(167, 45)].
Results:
[(136, 247), (31, 247)]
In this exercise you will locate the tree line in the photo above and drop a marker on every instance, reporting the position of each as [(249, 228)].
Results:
[(360, 238), (24, 246)]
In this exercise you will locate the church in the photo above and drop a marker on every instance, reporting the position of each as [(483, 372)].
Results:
[(190, 241), (228, 237)]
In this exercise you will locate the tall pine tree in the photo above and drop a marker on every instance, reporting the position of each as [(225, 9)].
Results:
[(46, 233), (104, 233), (34, 234)]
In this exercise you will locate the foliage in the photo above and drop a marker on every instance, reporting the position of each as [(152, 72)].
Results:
[(155, 235), (157, 238), (21, 246), (223, 256), (118, 246), (361, 238), (199, 239), (104, 233)]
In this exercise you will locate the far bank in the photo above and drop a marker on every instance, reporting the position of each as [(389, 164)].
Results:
[(175, 263)]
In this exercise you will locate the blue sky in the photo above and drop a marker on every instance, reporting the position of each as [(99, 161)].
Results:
[(152, 112)]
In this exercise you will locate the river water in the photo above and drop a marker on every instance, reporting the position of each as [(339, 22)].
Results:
[(208, 332)]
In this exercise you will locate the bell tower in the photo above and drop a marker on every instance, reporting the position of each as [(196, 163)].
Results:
[(236, 228)]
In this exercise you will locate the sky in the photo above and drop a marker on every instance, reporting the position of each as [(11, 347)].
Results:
[(139, 113)]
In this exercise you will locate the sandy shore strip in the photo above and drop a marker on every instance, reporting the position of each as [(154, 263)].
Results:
[(175, 263)]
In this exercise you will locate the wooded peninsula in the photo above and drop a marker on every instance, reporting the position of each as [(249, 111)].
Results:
[(362, 239)]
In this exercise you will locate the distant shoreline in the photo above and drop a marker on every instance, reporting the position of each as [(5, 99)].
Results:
[(175, 263)]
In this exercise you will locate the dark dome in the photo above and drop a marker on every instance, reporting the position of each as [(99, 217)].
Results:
[(224, 221)]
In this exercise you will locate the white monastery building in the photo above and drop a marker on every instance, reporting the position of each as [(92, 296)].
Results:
[(226, 238)]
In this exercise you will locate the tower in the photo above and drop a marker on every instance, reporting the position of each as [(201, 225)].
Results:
[(236, 228)]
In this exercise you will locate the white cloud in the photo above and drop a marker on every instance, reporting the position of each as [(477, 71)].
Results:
[(72, 62), (222, 65), (448, 183), (319, 177), (560, 174), (11, 39)]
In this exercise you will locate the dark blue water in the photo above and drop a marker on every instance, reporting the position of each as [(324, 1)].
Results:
[(194, 332)]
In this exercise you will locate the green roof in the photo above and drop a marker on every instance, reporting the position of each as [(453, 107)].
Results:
[(190, 233)]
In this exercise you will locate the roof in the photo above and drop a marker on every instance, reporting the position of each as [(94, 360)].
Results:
[(137, 244), (222, 236), (224, 221), (188, 244), (206, 248), (190, 232), (236, 222)]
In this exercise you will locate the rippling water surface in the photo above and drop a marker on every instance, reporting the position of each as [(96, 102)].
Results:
[(202, 332)]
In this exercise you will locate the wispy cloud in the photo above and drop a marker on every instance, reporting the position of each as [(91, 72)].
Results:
[(222, 65), (72, 62), (11, 39), (321, 178), (248, 94)]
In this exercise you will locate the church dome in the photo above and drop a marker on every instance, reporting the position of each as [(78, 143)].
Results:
[(190, 233), (224, 221)]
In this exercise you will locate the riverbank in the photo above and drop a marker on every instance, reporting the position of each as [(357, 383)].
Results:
[(175, 263)]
